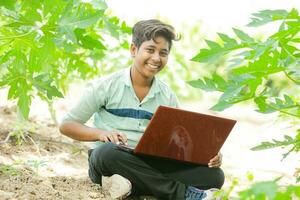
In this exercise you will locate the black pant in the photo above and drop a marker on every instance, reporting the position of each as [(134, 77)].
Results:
[(164, 179)]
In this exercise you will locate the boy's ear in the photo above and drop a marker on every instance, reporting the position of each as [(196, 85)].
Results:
[(133, 49)]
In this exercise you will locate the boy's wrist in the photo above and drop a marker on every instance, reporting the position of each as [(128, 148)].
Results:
[(99, 135)]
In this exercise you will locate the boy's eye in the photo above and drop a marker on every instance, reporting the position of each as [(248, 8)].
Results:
[(163, 54), (150, 50)]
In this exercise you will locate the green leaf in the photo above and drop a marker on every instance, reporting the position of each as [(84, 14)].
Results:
[(283, 34), (219, 81), (221, 105), (214, 53), (68, 30), (274, 14), (9, 13), (213, 45), (88, 41), (205, 85), (13, 90), (260, 68), (261, 190), (82, 20), (262, 105), (209, 55), (228, 41), (125, 28), (43, 84), (293, 14), (243, 36), (9, 4), (41, 57), (232, 93), (216, 83), (235, 62), (112, 26), (99, 4), (24, 99), (265, 16), (288, 140)]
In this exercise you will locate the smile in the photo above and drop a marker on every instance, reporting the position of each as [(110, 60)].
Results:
[(153, 66)]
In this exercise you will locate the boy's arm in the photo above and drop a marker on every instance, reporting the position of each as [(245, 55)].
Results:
[(82, 132), (73, 122)]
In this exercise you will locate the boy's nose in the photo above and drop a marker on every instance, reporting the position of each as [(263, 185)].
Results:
[(156, 57)]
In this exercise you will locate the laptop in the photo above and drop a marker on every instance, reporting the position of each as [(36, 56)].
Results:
[(183, 135)]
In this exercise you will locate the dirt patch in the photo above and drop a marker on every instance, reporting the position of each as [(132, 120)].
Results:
[(27, 185), (45, 166)]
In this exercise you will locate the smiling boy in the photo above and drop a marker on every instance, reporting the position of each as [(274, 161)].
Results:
[(123, 103)]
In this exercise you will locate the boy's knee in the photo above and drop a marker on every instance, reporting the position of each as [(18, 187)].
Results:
[(220, 178), (99, 161), (102, 154)]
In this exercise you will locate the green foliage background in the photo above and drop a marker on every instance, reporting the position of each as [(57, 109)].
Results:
[(46, 44), (264, 71)]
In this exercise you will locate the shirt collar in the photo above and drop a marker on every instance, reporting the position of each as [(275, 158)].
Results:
[(126, 77), (154, 87)]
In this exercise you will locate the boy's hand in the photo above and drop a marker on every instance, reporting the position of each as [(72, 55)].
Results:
[(216, 161), (113, 136)]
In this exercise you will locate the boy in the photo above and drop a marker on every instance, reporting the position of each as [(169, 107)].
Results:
[(123, 104)]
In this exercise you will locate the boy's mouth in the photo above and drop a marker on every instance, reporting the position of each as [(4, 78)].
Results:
[(152, 66)]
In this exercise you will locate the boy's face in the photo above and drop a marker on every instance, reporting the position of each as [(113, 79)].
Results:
[(151, 57)]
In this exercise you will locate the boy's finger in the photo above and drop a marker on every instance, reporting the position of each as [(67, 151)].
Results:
[(215, 162), (115, 138), (214, 165), (123, 138), (111, 139), (214, 159), (105, 139)]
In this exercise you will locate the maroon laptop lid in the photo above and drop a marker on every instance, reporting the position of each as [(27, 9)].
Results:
[(184, 135)]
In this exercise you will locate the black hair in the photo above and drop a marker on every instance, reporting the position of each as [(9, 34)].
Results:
[(150, 29)]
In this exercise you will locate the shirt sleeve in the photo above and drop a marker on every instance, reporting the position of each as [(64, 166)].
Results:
[(89, 103)]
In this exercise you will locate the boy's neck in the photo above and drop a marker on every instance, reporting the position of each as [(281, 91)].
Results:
[(138, 80)]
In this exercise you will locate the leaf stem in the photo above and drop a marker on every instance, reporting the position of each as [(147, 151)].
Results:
[(282, 111), (292, 79), (17, 36)]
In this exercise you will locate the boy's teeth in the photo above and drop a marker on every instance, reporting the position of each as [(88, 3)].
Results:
[(152, 66)]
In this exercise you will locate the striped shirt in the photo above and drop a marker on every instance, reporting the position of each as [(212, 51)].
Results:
[(115, 106)]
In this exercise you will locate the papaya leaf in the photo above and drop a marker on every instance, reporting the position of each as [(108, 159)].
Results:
[(244, 37), (266, 16), (208, 55), (213, 45), (51, 37), (261, 190), (287, 142), (216, 83), (99, 4), (9, 4), (44, 85), (228, 41), (203, 84), (88, 41), (24, 100), (221, 105)]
